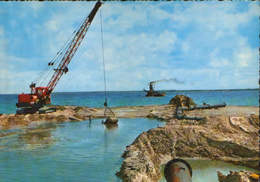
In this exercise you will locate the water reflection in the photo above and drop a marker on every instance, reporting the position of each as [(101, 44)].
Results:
[(37, 135), (109, 136), (111, 127), (89, 121), (72, 151), (36, 138)]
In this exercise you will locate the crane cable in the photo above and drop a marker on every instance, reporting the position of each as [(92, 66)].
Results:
[(103, 57), (104, 70), (44, 74)]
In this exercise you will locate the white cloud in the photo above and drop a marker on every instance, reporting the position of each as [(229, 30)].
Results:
[(125, 15), (52, 25), (35, 6), (216, 60), (215, 16), (245, 56), (138, 48), (219, 62), (4, 67)]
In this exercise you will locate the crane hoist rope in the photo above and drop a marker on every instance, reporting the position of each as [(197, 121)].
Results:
[(103, 55), (108, 111)]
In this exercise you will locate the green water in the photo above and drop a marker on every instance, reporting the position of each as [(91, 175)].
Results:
[(206, 170)]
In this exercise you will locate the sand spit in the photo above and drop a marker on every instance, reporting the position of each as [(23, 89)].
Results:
[(78, 113)]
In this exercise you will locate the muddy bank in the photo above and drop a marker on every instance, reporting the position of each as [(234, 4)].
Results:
[(228, 134), (77, 113)]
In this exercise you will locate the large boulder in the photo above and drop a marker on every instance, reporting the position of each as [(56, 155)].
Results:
[(182, 101)]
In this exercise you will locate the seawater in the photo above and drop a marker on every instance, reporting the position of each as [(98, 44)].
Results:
[(133, 98), (79, 151), (87, 151)]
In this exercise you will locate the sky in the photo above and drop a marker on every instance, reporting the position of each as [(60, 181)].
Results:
[(203, 45)]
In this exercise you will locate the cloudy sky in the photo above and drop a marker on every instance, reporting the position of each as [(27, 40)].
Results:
[(204, 45)]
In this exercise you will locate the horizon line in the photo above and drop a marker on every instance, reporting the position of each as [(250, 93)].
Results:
[(232, 89)]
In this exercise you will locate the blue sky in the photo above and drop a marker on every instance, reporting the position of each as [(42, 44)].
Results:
[(207, 45)]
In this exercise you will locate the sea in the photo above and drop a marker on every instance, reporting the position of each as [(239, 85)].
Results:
[(88, 151)]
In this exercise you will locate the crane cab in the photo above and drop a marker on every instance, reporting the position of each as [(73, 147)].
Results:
[(30, 103)]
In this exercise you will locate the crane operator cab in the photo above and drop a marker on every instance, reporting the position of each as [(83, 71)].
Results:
[(30, 103)]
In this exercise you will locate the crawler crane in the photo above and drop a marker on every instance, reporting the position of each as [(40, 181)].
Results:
[(41, 95)]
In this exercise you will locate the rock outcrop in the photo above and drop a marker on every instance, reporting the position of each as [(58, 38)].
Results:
[(220, 137), (241, 176)]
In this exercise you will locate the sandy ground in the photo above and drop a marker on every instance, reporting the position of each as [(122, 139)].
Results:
[(77, 113)]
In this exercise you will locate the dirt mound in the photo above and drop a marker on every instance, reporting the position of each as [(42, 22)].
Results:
[(216, 139), (182, 101)]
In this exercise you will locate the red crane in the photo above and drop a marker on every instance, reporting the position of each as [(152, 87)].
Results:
[(41, 95)]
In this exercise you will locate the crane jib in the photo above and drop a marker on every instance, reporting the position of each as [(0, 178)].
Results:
[(75, 43)]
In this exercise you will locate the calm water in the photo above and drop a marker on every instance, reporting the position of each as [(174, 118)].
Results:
[(68, 152), (96, 99), (89, 152), (205, 170)]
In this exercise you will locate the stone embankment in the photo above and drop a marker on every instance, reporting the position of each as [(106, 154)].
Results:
[(228, 134)]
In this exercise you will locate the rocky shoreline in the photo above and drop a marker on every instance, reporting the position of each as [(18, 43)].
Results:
[(228, 134)]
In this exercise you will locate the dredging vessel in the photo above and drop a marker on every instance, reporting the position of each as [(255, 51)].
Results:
[(152, 93)]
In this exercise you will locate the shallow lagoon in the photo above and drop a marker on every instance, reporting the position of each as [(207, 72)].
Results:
[(79, 151)]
